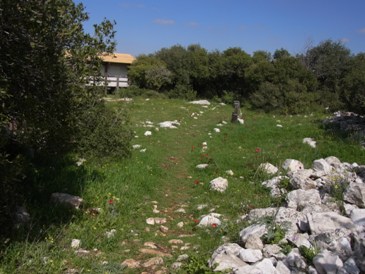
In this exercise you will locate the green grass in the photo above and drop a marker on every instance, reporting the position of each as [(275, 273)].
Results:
[(166, 173)]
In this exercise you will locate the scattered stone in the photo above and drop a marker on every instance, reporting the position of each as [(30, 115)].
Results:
[(358, 216), (136, 146), (201, 206), (355, 194), (154, 252), (182, 257), (176, 265), (254, 242), (294, 261), (153, 221), (255, 229), (131, 263), (176, 242), (150, 245), (200, 102), (225, 257), (81, 161), (67, 200), (229, 172), (164, 229), (250, 255), (292, 165), (299, 199), (300, 179), (322, 166), (180, 224), (82, 252), (210, 220), (281, 268), (75, 243), (111, 233), (263, 267), (310, 142), (170, 124), (202, 166), (219, 184), (327, 262), (268, 168), (153, 262), (180, 210), (351, 267), (148, 133), (279, 125), (328, 222), (217, 130)]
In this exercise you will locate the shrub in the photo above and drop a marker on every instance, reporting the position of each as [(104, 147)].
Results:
[(182, 92), (104, 133)]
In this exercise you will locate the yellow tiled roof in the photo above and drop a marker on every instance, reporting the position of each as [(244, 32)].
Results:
[(122, 58)]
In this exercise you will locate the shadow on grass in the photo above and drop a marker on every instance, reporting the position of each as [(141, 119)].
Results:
[(46, 176)]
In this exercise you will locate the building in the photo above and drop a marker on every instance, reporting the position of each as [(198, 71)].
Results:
[(115, 69)]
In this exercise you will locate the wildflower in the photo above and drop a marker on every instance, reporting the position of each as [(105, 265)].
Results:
[(196, 182), (258, 150), (196, 221), (110, 201), (192, 148), (214, 225)]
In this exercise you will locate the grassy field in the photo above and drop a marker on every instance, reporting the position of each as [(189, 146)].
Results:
[(161, 176)]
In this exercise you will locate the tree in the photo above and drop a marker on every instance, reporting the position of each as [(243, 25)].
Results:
[(353, 85), (150, 73), (46, 60)]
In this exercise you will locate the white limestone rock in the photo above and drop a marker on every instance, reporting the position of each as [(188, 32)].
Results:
[(200, 102), (255, 229), (300, 179), (209, 220), (219, 184), (327, 262), (292, 165), (169, 124), (328, 222), (226, 257), (250, 255), (294, 261), (263, 267), (147, 133), (202, 166), (268, 168), (355, 194), (358, 216), (322, 166), (299, 199), (310, 142)]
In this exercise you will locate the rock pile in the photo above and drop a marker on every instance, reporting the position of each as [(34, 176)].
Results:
[(319, 232)]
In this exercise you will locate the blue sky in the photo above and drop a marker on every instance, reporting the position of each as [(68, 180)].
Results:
[(145, 26)]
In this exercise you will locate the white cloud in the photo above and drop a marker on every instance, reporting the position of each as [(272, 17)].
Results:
[(161, 21), (345, 40), (362, 30)]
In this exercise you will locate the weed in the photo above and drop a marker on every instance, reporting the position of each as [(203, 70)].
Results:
[(309, 253)]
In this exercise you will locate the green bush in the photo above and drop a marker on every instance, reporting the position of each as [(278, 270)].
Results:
[(104, 133), (134, 91), (182, 92)]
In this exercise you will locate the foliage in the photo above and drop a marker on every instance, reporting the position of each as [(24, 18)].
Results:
[(309, 253), (275, 233), (352, 84), (150, 73), (197, 265), (105, 133), (46, 61)]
